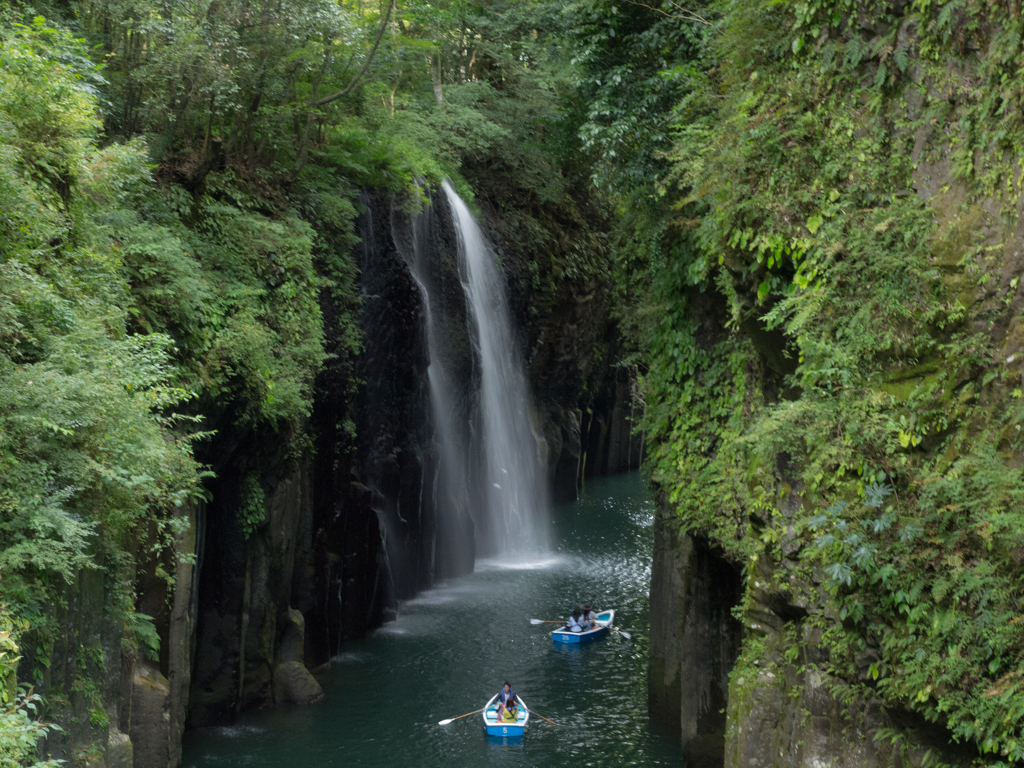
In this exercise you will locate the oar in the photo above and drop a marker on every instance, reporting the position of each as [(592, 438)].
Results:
[(544, 621), (453, 719), (542, 717), (622, 632)]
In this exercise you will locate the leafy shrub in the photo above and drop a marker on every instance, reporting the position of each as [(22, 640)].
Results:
[(89, 447), (20, 726)]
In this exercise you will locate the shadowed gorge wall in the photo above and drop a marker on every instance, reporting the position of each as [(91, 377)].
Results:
[(834, 404), (353, 526), (694, 640)]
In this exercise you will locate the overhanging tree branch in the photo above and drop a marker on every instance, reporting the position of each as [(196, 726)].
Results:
[(369, 59), (684, 13)]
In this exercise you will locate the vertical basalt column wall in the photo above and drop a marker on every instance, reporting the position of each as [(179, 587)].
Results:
[(694, 641), (611, 441), (352, 527), (396, 455), (247, 584), (585, 411)]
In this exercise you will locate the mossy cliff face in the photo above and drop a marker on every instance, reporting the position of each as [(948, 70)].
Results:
[(847, 431)]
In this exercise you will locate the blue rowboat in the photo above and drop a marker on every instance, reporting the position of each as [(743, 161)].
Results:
[(604, 621), (496, 728)]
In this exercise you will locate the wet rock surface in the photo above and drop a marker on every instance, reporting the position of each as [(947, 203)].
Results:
[(694, 641), (149, 719), (293, 684), (756, 694)]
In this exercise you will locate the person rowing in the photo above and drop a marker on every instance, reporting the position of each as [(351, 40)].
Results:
[(575, 623), (589, 617), (506, 693)]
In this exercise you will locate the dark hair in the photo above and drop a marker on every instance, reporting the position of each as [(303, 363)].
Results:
[(586, 606), (506, 683), (576, 613)]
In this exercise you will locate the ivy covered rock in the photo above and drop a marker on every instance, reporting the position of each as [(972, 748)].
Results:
[(834, 389)]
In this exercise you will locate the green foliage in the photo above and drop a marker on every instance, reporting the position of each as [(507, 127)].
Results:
[(89, 671), (633, 67), (89, 448), (814, 340), (21, 730), (139, 632), (251, 510), (20, 726)]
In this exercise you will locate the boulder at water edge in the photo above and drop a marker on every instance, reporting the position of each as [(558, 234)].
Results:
[(293, 684)]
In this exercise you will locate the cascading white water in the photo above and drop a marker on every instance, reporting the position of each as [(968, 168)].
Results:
[(453, 546), (516, 503)]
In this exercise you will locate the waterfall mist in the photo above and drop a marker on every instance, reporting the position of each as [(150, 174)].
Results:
[(426, 243)]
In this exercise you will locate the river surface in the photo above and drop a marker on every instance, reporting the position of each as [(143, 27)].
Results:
[(452, 647)]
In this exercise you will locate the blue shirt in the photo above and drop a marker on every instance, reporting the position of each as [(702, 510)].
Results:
[(503, 697)]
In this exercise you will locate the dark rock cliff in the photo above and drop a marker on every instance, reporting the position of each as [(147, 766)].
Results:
[(694, 640), (585, 401), (348, 529), (773, 705)]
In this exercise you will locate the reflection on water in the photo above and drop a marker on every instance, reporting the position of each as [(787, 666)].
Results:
[(452, 647)]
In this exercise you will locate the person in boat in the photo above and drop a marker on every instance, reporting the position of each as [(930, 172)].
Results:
[(575, 623), (584, 621), (504, 697), (589, 617), (508, 711), (506, 692)]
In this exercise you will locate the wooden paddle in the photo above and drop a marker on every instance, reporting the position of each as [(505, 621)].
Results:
[(622, 632), (453, 719), (545, 621), (542, 717)]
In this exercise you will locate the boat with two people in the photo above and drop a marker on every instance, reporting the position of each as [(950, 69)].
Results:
[(498, 723), (602, 625)]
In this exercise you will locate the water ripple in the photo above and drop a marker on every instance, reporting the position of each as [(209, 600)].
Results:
[(451, 647)]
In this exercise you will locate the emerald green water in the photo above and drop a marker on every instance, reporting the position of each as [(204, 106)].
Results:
[(452, 647)]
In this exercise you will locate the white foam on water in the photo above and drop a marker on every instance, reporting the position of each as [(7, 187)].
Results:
[(238, 731), (392, 628), (433, 597), (351, 657), (502, 564)]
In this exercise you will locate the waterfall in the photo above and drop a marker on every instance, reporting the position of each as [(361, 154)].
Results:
[(470, 450), (514, 518), (423, 249)]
